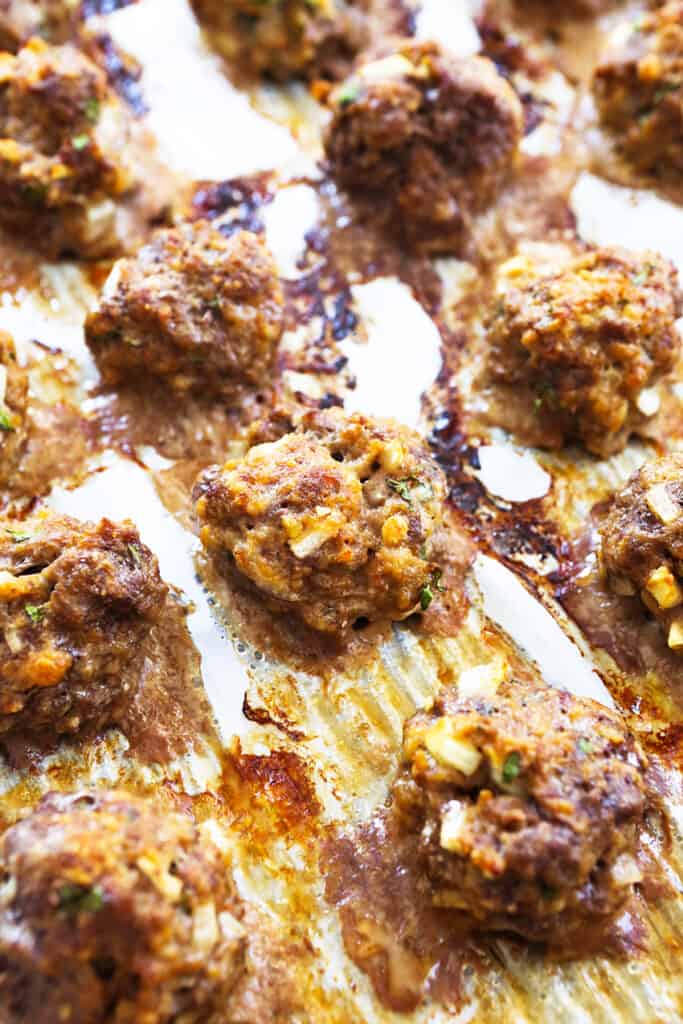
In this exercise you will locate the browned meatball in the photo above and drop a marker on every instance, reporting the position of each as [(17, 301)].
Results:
[(77, 172), (13, 406), (528, 804), (642, 542), (199, 310), (114, 912), (427, 136), (54, 20), (586, 341), (286, 38), (334, 522), (638, 87), (76, 602)]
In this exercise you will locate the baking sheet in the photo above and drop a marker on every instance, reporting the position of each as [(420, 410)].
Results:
[(350, 729)]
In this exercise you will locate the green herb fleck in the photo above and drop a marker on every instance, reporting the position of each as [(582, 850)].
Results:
[(16, 535), (80, 899), (428, 588), (92, 109), (642, 276), (134, 552), (5, 421), (584, 745), (348, 94), (665, 89), (80, 141), (547, 397), (34, 194), (35, 612), (511, 766), (402, 487)]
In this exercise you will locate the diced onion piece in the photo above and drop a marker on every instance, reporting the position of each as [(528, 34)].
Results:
[(663, 586), (662, 505), (626, 871), (483, 680), (452, 825), (205, 933), (395, 66), (675, 638), (648, 401), (443, 745)]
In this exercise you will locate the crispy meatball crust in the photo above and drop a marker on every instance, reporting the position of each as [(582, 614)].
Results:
[(76, 602), (638, 88), (201, 311), (335, 522), (642, 542), (13, 408), (528, 803), (286, 39), (77, 174), (587, 340), (113, 911), (433, 135)]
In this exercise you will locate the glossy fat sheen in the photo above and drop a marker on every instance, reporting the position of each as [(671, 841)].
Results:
[(110, 911), (201, 311), (334, 522), (77, 174), (541, 851), (635, 540), (286, 38), (638, 87), (13, 408), (76, 602), (587, 340), (433, 134), (51, 19)]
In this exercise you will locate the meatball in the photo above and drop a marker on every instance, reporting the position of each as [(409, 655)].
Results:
[(427, 137), (13, 408), (528, 804), (286, 39), (113, 911), (77, 174), (199, 310), (55, 20), (638, 88), (642, 542), (587, 341), (335, 522), (76, 602)]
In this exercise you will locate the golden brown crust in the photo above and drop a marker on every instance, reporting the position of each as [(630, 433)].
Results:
[(113, 910), (335, 522), (76, 599), (587, 340), (433, 135), (200, 311), (13, 408), (529, 803)]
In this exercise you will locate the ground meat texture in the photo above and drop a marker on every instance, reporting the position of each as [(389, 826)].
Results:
[(431, 137), (528, 803), (201, 311), (77, 172), (638, 88), (642, 543), (587, 341), (336, 522), (76, 602), (112, 910), (286, 39), (13, 409)]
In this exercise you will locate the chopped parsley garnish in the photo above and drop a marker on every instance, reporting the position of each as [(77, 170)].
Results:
[(80, 141), (35, 612), (80, 899), (348, 94), (547, 397), (92, 109), (512, 766), (641, 277), (134, 552), (5, 421), (16, 535), (427, 592), (584, 745), (402, 487)]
